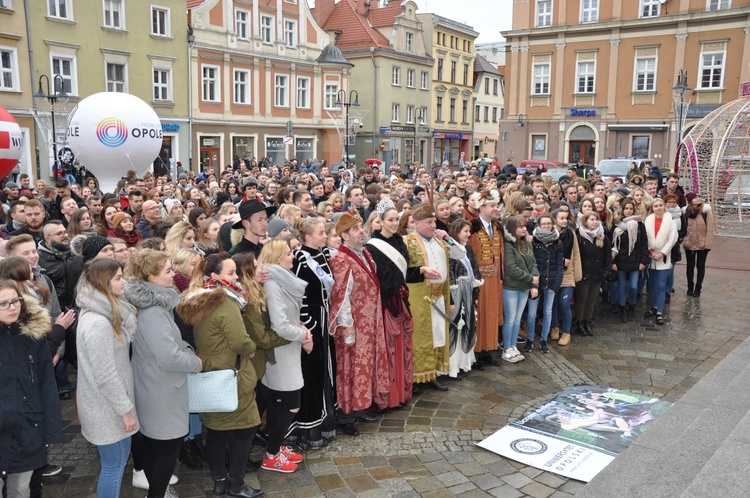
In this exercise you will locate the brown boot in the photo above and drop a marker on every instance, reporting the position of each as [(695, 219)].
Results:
[(554, 334), (564, 340), (522, 332)]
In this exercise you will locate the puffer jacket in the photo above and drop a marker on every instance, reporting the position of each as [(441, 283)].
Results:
[(549, 262), (220, 336), (29, 406), (700, 232)]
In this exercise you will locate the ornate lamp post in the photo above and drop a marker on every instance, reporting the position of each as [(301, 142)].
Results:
[(353, 101), (58, 85)]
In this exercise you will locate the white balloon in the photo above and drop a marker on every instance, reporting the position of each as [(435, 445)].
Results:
[(112, 132)]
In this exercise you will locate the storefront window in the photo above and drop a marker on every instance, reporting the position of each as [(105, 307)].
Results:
[(304, 149), (276, 150), (437, 157), (242, 148), (640, 146)]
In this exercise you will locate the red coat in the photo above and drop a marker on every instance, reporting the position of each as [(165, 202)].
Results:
[(362, 373)]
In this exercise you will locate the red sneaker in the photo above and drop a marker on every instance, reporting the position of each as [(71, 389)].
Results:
[(291, 455), (278, 463)]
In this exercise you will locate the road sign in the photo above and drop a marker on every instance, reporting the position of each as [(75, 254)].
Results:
[(288, 140), (384, 130)]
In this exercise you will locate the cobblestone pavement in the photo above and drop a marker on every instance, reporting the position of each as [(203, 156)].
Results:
[(428, 449)]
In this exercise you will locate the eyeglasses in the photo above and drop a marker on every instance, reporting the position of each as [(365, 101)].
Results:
[(6, 305)]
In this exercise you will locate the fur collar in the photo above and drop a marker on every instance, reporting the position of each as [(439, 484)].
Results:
[(509, 237), (40, 323), (658, 241), (197, 305), (145, 295)]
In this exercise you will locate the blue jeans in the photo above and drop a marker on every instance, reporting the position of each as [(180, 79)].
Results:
[(562, 307), (548, 298), (513, 304), (657, 288), (614, 291), (628, 283), (61, 375), (114, 458), (196, 426)]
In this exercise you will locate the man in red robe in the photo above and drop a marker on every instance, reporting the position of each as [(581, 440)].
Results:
[(362, 374)]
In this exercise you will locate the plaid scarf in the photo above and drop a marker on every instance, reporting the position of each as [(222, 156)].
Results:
[(232, 291)]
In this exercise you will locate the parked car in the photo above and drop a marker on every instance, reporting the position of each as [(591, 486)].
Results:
[(619, 166), (583, 172), (534, 164), (556, 172)]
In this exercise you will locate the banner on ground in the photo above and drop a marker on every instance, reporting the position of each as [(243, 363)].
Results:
[(578, 432)]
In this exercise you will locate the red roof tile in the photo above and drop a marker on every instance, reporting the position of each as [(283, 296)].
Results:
[(356, 31), (385, 16)]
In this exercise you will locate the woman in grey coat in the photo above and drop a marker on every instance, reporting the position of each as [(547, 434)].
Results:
[(161, 361), (279, 389), (105, 379)]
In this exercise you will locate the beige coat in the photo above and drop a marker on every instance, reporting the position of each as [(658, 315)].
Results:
[(574, 273), (700, 233)]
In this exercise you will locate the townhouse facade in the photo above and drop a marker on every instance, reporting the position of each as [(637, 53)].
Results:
[(588, 79), (262, 82), (391, 75), (16, 85), (488, 107), (138, 49), (451, 44)]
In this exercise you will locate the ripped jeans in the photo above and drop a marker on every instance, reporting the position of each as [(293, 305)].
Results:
[(562, 308)]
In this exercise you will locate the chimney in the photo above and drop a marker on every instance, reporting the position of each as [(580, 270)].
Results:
[(323, 10), (363, 7)]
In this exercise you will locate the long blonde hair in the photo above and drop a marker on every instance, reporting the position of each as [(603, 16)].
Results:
[(254, 293), (173, 240), (272, 252)]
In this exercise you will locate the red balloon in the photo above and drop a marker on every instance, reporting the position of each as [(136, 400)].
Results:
[(11, 142)]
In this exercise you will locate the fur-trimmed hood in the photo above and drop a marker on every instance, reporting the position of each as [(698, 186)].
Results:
[(705, 210), (509, 237), (145, 295), (40, 323), (197, 305)]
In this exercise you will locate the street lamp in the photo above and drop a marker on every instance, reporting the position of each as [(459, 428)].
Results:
[(681, 88), (58, 84), (341, 100)]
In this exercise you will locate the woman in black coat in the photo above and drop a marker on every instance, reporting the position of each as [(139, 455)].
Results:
[(30, 408), (391, 257), (629, 256), (596, 260)]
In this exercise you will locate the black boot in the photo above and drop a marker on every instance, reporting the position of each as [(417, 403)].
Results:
[(690, 289), (188, 455), (651, 312), (220, 488), (528, 346), (668, 298), (200, 448), (623, 316), (631, 312), (580, 328), (244, 491), (587, 328), (697, 292)]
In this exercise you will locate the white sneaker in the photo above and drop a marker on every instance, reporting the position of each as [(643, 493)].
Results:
[(509, 356), (140, 481), (518, 354)]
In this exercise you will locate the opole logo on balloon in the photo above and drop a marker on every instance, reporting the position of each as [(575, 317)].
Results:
[(111, 132)]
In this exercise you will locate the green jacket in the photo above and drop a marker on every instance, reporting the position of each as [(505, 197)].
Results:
[(519, 268), (265, 339), (220, 336)]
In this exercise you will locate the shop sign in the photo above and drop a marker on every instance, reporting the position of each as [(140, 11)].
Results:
[(586, 113), (170, 127), (275, 144), (304, 144), (408, 129)]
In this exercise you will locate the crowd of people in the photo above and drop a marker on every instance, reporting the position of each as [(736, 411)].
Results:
[(335, 297)]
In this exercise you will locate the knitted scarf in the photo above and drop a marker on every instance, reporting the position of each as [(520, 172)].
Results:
[(595, 236), (546, 236), (232, 290), (630, 225), (59, 253)]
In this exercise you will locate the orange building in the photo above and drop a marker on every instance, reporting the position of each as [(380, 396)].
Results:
[(255, 67), (592, 79)]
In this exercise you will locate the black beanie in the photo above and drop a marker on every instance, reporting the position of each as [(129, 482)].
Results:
[(92, 246)]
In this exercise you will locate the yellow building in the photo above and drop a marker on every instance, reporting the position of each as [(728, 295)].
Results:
[(591, 79), (16, 88), (451, 44), (127, 46)]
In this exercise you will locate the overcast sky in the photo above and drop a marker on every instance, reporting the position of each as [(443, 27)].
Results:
[(487, 17)]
